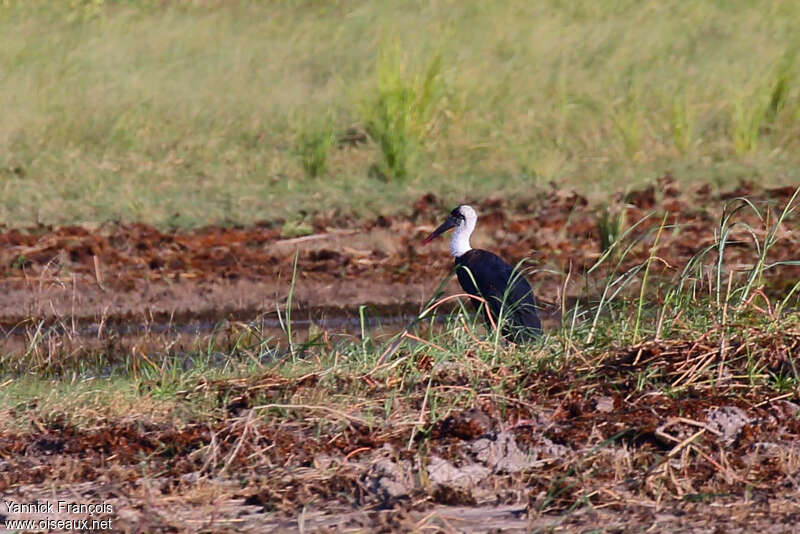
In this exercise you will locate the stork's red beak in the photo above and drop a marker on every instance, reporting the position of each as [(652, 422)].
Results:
[(446, 225)]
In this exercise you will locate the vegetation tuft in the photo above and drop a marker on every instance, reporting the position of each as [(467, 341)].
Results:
[(313, 146), (404, 112)]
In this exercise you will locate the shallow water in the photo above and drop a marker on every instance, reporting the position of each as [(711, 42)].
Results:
[(185, 335), (330, 319)]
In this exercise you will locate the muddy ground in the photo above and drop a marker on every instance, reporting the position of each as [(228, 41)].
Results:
[(603, 456), (136, 270)]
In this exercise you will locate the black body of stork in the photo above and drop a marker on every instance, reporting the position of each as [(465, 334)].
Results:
[(484, 274)]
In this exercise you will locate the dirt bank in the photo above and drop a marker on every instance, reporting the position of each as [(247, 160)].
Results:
[(135, 269)]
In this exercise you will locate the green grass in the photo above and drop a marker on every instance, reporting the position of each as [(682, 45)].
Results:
[(313, 146), (184, 114)]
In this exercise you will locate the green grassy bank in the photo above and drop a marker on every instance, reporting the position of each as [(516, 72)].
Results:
[(188, 113)]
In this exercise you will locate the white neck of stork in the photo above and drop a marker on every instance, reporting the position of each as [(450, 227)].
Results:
[(459, 241)]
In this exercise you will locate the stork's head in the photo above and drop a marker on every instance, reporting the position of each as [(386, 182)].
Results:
[(463, 219)]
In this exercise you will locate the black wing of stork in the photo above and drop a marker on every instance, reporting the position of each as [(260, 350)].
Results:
[(487, 275)]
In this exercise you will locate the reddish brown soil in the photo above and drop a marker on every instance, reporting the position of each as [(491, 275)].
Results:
[(136, 269)]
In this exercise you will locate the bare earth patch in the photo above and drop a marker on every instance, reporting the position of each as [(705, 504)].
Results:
[(134, 269)]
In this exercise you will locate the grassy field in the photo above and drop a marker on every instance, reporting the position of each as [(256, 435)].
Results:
[(187, 113)]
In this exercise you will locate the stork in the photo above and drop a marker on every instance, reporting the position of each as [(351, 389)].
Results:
[(484, 274)]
